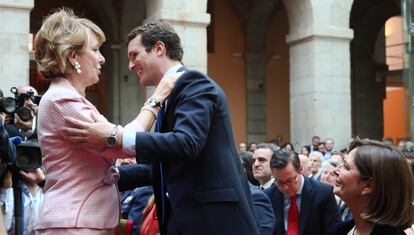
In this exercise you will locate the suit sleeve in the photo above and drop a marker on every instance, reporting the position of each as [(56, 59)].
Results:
[(194, 107), (264, 212), (133, 176)]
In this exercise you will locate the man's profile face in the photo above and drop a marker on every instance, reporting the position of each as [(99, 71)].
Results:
[(144, 64)]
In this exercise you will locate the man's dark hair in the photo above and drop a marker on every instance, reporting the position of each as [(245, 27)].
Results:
[(1, 93), (282, 157), (159, 31)]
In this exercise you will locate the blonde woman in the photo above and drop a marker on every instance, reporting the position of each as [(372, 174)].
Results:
[(81, 195)]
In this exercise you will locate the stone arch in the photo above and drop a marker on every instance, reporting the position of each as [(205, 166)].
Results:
[(254, 18), (368, 86)]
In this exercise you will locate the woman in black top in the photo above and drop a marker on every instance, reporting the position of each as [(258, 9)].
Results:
[(376, 182)]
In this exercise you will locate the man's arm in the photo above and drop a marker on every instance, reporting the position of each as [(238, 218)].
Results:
[(7, 201), (94, 134), (194, 107), (264, 212), (133, 176)]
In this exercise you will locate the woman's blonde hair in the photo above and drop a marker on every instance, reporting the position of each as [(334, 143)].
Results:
[(391, 200), (62, 35)]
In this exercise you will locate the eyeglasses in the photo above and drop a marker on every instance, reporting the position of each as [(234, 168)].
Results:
[(288, 182)]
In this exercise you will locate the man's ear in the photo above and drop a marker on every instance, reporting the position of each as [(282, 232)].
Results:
[(160, 48), (369, 186)]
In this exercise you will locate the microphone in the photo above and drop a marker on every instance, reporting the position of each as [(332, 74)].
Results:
[(16, 140)]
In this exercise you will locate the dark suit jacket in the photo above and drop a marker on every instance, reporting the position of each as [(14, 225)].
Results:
[(318, 211), (264, 212), (207, 190), (344, 227)]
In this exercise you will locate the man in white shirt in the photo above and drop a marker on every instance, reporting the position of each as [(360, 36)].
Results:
[(32, 196)]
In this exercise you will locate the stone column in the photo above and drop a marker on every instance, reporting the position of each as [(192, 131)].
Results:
[(256, 96), (14, 41), (190, 20), (320, 92)]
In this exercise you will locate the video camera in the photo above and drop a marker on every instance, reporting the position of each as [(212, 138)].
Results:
[(17, 105), (18, 155)]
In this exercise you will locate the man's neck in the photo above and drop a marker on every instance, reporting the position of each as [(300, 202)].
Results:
[(164, 67), (168, 65)]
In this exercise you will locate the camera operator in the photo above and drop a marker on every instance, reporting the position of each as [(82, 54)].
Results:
[(3, 150), (32, 195), (25, 128)]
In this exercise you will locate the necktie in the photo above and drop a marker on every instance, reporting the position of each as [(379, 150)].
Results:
[(159, 120), (293, 217)]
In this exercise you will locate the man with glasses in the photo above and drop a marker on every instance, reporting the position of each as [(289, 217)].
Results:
[(301, 205)]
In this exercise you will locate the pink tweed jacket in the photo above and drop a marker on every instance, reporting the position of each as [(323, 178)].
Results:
[(80, 190)]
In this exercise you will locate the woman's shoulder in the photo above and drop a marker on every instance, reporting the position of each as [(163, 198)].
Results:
[(342, 228), (60, 89), (387, 230)]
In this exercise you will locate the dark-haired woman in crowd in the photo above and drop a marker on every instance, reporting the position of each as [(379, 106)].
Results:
[(376, 182)]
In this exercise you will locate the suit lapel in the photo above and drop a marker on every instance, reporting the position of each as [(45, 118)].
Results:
[(306, 204), (170, 103)]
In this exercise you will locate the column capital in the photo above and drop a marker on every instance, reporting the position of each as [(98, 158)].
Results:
[(21, 4), (319, 32)]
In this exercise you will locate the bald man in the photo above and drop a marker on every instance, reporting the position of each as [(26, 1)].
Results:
[(305, 165)]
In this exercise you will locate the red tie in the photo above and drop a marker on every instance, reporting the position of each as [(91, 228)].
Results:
[(293, 217)]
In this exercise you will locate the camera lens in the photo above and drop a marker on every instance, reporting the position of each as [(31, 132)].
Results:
[(7, 104), (24, 113)]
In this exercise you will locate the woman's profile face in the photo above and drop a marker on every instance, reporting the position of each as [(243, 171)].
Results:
[(348, 185), (90, 60)]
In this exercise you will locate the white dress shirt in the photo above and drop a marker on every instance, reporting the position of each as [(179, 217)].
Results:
[(31, 205)]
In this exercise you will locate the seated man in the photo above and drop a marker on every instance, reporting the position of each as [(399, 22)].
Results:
[(301, 205)]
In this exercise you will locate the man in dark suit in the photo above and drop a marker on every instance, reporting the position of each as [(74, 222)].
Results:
[(314, 210), (314, 145), (197, 177), (200, 187)]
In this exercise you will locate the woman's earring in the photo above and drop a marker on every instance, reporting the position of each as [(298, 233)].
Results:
[(77, 67)]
